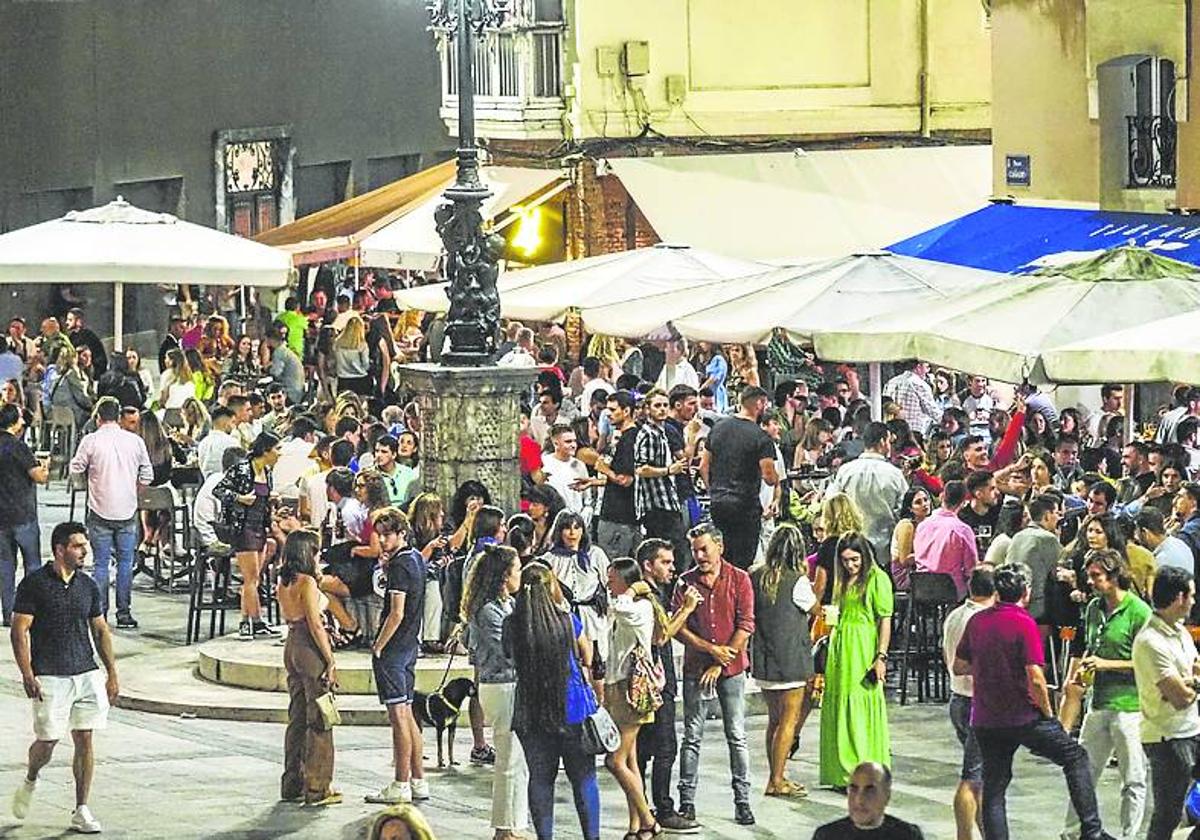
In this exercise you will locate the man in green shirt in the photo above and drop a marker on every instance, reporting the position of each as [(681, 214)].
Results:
[(296, 324), (1111, 621)]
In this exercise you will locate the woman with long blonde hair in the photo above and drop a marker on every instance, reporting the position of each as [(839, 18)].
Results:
[(840, 515), (352, 359), (781, 660)]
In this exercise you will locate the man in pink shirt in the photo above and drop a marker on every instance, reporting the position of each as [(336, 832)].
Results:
[(944, 543), (116, 464)]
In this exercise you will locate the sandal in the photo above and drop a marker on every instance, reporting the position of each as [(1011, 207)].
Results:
[(652, 831), (789, 789), (333, 797)]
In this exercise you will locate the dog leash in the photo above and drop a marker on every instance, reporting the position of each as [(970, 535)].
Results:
[(445, 677)]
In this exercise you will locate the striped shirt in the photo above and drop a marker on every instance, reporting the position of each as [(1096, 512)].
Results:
[(650, 448)]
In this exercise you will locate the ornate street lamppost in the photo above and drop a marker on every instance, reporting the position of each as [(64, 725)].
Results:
[(473, 319)]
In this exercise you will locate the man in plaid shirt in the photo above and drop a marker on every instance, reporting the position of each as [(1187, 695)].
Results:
[(912, 393), (655, 500)]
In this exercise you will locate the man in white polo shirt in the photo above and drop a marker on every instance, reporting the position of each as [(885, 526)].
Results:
[(1165, 668)]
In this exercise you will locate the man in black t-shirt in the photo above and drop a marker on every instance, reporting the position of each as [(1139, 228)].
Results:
[(57, 620), (20, 472), (395, 657), (617, 531), (982, 512), (867, 798), (81, 336), (738, 458)]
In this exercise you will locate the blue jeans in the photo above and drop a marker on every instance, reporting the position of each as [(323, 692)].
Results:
[(1047, 738), (27, 539), (542, 753), (107, 535), (731, 694)]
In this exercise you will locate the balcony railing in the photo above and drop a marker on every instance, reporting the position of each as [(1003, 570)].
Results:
[(1151, 152)]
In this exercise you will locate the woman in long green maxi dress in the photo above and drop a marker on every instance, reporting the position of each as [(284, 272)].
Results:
[(854, 725)]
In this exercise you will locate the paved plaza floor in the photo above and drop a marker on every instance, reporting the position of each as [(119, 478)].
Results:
[(172, 777)]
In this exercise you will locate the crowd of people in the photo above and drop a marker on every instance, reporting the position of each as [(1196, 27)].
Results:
[(741, 506)]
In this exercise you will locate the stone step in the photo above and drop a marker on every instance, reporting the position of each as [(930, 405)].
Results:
[(169, 683), (259, 665)]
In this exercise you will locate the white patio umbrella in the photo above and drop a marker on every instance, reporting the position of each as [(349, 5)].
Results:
[(1158, 351), (119, 243), (545, 293), (1003, 331), (800, 299)]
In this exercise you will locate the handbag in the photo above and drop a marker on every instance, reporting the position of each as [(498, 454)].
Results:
[(646, 682), (600, 733), (327, 706)]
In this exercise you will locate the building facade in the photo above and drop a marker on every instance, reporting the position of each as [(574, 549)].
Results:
[(1092, 103), (626, 77), (238, 114)]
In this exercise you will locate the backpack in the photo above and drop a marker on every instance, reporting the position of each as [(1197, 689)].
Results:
[(646, 682)]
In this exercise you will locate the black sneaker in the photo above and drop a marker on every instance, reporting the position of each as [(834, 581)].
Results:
[(742, 815), (678, 824), (245, 631), (687, 812), (483, 755), (126, 621), (263, 629)]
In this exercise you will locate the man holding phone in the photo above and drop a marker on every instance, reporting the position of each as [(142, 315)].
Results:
[(20, 473)]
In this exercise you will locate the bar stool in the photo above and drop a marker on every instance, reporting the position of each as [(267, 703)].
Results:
[(931, 597), (62, 437), (209, 589)]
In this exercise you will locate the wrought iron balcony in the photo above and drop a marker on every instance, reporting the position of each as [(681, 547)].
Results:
[(1152, 141)]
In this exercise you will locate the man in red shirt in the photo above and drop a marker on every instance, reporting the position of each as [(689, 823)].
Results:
[(714, 665), (1001, 650), (531, 458)]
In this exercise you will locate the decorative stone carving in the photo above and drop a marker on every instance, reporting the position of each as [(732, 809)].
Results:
[(470, 420)]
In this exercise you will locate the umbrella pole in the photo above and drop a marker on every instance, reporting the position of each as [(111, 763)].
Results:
[(118, 316), (875, 383), (1130, 415)]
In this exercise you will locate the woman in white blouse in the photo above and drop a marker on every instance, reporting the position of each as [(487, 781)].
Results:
[(582, 571)]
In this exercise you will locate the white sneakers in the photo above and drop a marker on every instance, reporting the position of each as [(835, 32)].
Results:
[(22, 797), (82, 819), (420, 789), (83, 822), (396, 793)]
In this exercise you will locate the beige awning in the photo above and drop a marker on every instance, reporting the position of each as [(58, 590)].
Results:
[(806, 205), (411, 241)]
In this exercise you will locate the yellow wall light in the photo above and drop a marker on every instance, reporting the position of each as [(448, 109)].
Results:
[(527, 238)]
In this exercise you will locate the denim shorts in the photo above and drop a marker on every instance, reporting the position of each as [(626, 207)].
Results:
[(960, 717), (395, 676)]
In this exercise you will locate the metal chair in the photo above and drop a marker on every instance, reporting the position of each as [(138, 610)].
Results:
[(168, 571), (77, 485), (931, 597), (62, 437)]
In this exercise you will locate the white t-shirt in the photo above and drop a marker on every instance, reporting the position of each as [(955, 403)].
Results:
[(560, 474), (293, 463), (952, 633), (1161, 651)]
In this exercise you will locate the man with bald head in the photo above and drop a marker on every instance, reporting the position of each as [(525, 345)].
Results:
[(867, 797)]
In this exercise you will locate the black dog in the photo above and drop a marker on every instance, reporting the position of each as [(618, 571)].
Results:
[(440, 710)]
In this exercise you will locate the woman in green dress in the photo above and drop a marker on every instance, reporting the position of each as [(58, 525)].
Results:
[(854, 726)]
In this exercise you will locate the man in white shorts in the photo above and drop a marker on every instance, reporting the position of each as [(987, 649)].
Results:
[(58, 627)]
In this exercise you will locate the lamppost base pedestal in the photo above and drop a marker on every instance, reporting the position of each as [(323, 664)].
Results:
[(470, 424)]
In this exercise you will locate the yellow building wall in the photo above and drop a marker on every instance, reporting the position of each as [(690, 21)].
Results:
[(1040, 99), (1044, 92), (1188, 161), (769, 67)]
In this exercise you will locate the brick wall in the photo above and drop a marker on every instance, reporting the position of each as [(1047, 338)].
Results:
[(601, 217)]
